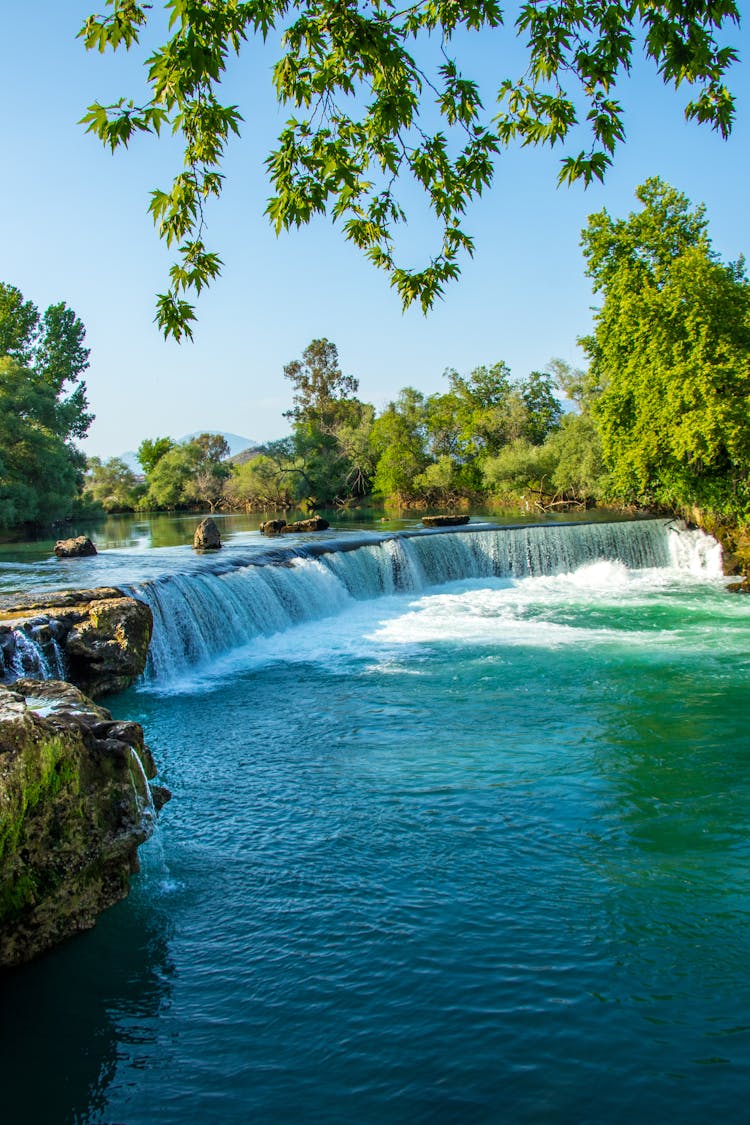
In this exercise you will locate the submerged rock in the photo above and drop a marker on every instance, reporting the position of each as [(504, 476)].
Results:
[(78, 548), (444, 521), (101, 636), (207, 537), (75, 803)]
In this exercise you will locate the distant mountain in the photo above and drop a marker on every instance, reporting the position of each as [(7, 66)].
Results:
[(131, 460), (237, 445), (235, 442)]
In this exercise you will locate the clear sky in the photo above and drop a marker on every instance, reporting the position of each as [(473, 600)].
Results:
[(74, 227)]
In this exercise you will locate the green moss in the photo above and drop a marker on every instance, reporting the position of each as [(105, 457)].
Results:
[(17, 894), (46, 765)]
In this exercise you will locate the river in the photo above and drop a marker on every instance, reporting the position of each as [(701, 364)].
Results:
[(441, 848)]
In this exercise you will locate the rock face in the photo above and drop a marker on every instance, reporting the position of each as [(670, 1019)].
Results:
[(77, 548), (74, 806), (444, 521), (206, 536), (97, 639)]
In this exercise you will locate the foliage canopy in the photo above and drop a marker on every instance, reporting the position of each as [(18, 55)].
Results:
[(380, 101), (670, 356), (43, 409)]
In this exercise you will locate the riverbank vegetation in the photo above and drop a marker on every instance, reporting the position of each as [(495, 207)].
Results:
[(659, 418)]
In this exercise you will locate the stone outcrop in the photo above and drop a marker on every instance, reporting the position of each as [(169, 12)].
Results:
[(100, 637), (276, 527), (444, 521), (75, 803), (207, 537), (313, 524), (77, 548)]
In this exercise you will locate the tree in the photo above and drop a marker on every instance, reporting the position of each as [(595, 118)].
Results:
[(40, 472), (320, 386), (150, 452), (543, 410), (43, 409), (671, 354), (399, 440), (189, 474), (375, 110), (331, 427), (520, 468), (111, 484), (259, 485), (169, 481)]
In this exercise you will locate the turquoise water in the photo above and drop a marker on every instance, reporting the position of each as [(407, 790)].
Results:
[(473, 854)]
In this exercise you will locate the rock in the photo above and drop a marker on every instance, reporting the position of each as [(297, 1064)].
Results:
[(444, 521), (107, 649), (77, 548), (272, 527), (103, 635), (314, 524), (206, 536), (74, 806)]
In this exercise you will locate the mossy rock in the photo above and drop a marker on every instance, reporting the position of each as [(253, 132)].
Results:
[(74, 806)]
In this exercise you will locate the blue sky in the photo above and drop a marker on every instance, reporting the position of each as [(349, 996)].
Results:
[(74, 227)]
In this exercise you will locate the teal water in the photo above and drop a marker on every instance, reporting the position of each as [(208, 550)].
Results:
[(478, 854)]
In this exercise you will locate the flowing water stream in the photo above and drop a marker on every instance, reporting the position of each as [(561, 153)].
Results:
[(459, 834)]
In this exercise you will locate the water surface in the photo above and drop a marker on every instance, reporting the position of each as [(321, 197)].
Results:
[(474, 853)]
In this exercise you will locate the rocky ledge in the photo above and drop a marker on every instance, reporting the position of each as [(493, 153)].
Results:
[(75, 803), (97, 639)]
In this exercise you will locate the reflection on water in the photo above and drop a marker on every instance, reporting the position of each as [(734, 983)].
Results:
[(136, 547), (66, 1018)]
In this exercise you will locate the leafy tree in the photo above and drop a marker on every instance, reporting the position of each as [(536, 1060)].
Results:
[(43, 409), (169, 482), (579, 472), (150, 451), (543, 410), (40, 472), (398, 439), (521, 468), (372, 115), (671, 353), (190, 474), (259, 485), (112, 484), (320, 386), (215, 447), (332, 453), (441, 483)]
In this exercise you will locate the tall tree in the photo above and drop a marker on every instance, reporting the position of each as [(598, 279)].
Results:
[(671, 354), (43, 409), (375, 112), (112, 484)]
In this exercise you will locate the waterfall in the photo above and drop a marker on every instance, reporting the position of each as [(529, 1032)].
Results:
[(199, 616), (142, 792), (31, 651)]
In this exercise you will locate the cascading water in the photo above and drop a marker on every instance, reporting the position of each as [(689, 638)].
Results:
[(26, 652), (459, 834), (198, 617)]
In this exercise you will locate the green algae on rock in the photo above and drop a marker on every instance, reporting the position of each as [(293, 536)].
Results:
[(75, 803)]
